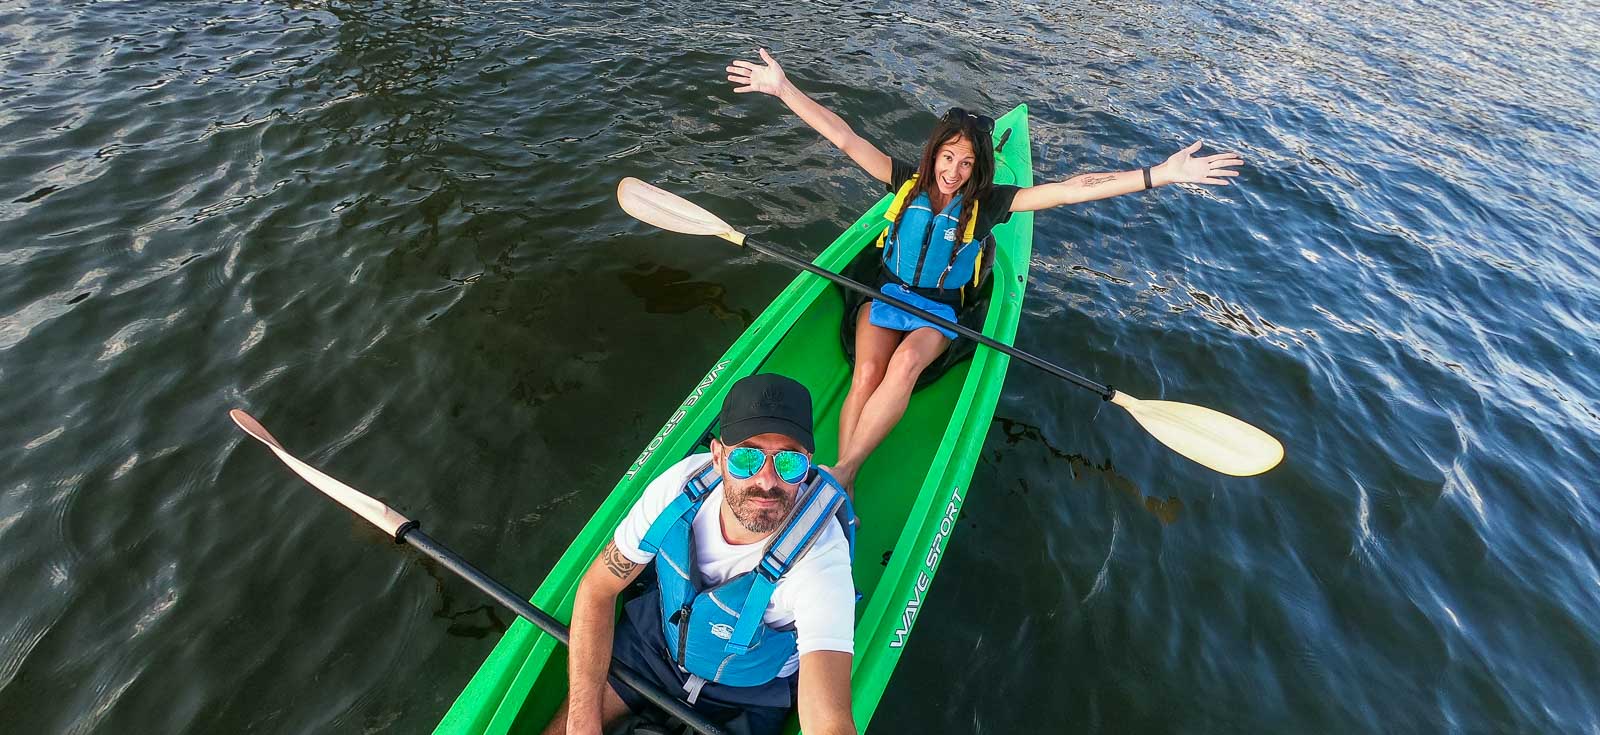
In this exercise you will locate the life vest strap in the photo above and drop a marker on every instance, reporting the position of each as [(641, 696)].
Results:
[(751, 614), (683, 507), (822, 499), (692, 688), (703, 481)]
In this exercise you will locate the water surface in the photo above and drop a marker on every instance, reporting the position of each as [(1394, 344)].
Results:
[(388, 230)]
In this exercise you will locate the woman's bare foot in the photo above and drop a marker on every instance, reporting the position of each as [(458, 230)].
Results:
[(845, 475), (848, 489)]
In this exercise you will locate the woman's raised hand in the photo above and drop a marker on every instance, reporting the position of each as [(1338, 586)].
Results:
[(1182, 167), (767, 78)]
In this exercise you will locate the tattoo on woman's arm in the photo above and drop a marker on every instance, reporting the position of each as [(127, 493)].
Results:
[(1097, 180), (619, 565)]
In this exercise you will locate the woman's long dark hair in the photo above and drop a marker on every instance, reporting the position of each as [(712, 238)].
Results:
[(977, 185)]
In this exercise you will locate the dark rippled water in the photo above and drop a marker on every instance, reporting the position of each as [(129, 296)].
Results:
[(388, 230)]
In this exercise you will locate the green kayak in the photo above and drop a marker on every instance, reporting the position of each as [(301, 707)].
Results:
[(910, 492)]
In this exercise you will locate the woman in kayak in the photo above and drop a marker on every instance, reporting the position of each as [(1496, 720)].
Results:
[(944, 207)]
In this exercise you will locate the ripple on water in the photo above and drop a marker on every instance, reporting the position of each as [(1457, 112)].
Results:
[(390, 231)]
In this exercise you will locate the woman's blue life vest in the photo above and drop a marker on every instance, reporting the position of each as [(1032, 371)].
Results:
[(717, 634), (921, 248)]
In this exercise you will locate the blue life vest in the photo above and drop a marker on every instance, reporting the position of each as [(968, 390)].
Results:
[(922, 248), (717, 634)]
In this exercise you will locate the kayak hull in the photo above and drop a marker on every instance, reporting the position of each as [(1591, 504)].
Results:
[(910, 493)]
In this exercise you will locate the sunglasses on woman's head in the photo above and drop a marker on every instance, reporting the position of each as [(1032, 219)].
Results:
[(746, 462), (984, 123)]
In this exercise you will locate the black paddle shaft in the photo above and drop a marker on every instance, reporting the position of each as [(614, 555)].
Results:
[(1104, 392), (509, 600)]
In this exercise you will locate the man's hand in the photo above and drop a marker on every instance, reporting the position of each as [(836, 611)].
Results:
[(766, 78), (1183, 168)]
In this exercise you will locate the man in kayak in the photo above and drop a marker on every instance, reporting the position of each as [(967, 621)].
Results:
[(944, 207), (752, 606)]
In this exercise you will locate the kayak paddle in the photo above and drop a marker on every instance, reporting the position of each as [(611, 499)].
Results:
[(1211, 438), (405, 530)]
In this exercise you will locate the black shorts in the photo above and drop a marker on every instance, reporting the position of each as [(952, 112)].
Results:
[(639, 643)]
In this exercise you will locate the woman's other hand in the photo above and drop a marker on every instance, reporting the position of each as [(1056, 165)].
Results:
[(766, 78), (1183, 168)]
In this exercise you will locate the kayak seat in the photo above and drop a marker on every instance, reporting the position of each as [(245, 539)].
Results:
[(864, 269)]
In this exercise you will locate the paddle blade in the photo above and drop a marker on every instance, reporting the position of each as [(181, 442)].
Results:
[(376, 513), (1212, 438), (669, 211), (254, 428)]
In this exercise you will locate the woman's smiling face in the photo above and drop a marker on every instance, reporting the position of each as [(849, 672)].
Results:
[(952, 165)]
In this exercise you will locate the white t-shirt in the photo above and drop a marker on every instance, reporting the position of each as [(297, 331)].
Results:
[(817, 596)]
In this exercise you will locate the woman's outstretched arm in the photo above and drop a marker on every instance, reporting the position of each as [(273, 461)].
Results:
[(1181, 167), (769, 78)]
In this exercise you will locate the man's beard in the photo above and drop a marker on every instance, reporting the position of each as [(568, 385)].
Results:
[(759, 519)]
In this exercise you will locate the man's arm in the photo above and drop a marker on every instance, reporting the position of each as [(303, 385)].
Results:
[(593, 624), (769, 78), (825, 693), (1181, 167)]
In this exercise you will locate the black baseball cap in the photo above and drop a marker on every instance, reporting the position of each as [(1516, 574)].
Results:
[(767, 404)]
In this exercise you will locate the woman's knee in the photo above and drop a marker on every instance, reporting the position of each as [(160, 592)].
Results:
[(915, 355), (906, 366), (868, 374)]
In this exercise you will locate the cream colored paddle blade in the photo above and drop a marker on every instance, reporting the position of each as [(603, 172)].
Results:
[(1212, 438), (669, 211), (376, 513)]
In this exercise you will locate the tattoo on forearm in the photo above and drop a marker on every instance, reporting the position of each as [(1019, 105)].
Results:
[(619, 565), (1096, 180)]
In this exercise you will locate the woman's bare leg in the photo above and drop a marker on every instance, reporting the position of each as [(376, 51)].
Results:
[(887, 403), (874, 346)]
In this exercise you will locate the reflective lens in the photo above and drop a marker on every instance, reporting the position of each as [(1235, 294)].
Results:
[(791, 466), (746, 462)]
